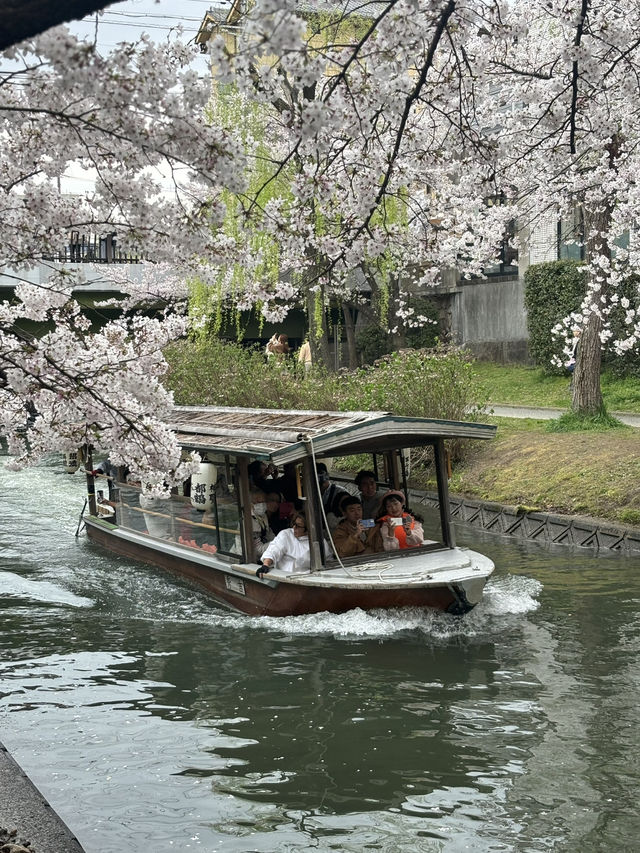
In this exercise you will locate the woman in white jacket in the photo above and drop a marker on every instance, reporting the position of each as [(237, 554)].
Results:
[(289, 551)]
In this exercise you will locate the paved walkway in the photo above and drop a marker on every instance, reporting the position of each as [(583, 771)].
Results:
[(545, 414)]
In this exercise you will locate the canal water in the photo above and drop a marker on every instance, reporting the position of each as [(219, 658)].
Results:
[(154, 721)]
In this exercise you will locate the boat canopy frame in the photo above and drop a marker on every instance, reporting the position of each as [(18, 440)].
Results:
[(295, 436)]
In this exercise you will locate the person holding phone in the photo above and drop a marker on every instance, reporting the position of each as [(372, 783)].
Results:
[(351, 537), (398, 528)]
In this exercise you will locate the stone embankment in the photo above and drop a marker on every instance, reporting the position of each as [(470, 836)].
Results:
[(28, 824), (543, 527)]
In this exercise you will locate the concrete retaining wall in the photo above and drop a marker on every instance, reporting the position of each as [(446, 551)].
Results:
[(487, 317), (541, 527)]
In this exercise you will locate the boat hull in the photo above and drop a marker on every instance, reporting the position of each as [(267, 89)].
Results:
[(243, 592)]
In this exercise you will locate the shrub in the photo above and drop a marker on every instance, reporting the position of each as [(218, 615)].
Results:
[(436, 383), (372, 342), (629, 363)]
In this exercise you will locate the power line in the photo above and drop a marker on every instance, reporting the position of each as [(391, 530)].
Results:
[(167, 29), (145, 16)]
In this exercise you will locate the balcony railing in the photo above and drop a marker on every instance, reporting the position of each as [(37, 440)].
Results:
[(91, 249)]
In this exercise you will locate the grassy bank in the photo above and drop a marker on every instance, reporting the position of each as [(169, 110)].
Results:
[(529, 386), (588, 473)]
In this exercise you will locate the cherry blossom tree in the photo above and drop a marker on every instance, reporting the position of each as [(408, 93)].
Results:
[(384, 131), (565, 80), (135, 120), (374, 159), (397, 121)]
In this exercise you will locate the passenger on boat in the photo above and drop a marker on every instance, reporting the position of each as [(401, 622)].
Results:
[(290, 550), (277, 515), (351, 537), (331, 494), (287, 485), (107, 469), (262, 533), (261, 475), (399, 529), (370, 495)]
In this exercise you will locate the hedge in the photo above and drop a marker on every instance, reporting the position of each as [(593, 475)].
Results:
[(554, 290)]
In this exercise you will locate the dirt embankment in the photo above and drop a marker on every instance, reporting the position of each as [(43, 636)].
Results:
[(593, 474)]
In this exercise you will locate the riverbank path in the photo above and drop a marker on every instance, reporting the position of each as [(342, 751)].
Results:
[(501, 410)]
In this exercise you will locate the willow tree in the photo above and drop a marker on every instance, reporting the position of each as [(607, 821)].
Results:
[(384, 172)]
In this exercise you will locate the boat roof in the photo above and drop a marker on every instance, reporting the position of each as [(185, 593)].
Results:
[(282, 435)]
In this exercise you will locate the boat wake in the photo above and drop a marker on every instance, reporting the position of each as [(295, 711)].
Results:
[(510, 594), (503, 597), (15, 586)]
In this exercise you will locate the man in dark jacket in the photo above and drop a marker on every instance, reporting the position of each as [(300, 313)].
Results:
[(332, 495)]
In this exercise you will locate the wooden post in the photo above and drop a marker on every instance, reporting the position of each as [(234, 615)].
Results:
[(314, 527), (448, 536), (91, 483), (246, 524)]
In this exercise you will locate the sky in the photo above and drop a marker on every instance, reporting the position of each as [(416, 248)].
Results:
[(126, 21)]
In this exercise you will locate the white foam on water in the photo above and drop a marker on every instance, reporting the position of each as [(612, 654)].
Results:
[(15, 586), (511, 594), (504, 597)]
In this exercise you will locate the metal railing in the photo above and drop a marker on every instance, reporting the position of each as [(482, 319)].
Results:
[(92, 249)]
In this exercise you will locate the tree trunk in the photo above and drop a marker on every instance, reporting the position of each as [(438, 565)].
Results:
[(318, 337), (587, 393)]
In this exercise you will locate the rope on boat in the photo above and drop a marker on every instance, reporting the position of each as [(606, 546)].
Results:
[(308, 441)]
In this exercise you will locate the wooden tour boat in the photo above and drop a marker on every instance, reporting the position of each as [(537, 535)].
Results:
[(207, 534)]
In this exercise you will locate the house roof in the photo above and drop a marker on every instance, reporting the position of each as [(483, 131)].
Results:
[(228, 14), (289, 435)]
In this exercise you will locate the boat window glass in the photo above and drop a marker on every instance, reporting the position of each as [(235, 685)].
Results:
[(343, 469), (209, 517)]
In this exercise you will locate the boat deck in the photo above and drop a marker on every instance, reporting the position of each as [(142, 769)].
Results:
[(425, 568)]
